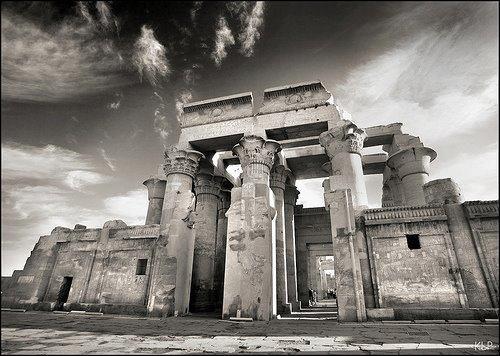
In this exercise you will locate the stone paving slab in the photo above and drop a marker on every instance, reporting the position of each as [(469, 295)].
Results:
[(47, 333)]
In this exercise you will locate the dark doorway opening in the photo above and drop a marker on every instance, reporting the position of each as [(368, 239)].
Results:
[(62, 296)]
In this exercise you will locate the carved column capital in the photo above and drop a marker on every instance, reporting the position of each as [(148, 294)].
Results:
[(345, 137), (182, 161), (156, 187), (256, 155), (411, 160), (278, 177), (291, 194)]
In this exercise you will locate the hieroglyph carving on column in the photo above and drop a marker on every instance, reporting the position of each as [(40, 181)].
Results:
[(278, 177), (291, 194)]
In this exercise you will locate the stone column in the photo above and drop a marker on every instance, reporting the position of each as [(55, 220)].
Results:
[(207, 188), (391, 190), (343, 144), (291, 195), (277, 184), (442, 191), (172, 264), (220, 247), (248, 279), (156, 193), (412, 167), (345, 241)]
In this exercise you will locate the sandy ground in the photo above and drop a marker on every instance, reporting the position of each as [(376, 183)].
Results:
[(47, 333)]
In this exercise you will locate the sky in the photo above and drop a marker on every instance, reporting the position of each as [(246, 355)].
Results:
[(91, 92)]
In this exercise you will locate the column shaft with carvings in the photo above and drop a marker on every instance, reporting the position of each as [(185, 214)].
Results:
[(277, 184), (345, 238), (248, 280), (156, 193), (220, 248), (291, 195), (170, 281), (343, 144), (207, 188), (391, 190), (412, 167)]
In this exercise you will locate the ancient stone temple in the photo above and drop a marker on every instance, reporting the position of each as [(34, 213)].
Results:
[(241, 247)]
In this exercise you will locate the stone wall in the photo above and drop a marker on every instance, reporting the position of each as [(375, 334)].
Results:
[(102, 262), (411, 277)]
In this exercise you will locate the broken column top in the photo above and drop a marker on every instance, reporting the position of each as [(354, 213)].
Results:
[(217, 109), (295, 96)]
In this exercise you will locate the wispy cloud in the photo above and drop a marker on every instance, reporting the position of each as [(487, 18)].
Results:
[(160, 123), (440, 80), (182, 98), (56, 64), (106, 17), (150, 57), (49, 164), (223, 39), (115, 104), (251, 31), (45, 187), (194, 11), (109, 162)]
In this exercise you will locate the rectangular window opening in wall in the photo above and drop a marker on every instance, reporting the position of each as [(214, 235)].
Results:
[(413, 241), (142, 263)]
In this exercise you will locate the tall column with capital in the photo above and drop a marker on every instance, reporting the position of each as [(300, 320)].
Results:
[(220, 244), (170, 279), (207, 188), (291, 195), (345, 198), (248, 279), (412, 167), (277, 184), (343, 144), (156, 193)]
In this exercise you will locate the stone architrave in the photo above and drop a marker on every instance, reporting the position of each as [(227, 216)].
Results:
[(291, 195), (207, 188), (277, 183), (348, 279), (343, 144), (156, 193), (248, 279), (220, 247), (412, 167), (170, 280)]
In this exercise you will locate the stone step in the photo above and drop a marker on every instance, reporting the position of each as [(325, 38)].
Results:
[(309, 317), (319, 310)]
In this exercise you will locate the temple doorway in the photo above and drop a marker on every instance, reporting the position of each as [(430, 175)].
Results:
[(62, 296), (321, 275)]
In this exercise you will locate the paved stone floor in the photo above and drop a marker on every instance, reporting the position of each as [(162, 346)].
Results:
[(47, 333)]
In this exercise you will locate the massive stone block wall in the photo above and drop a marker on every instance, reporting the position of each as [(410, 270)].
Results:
[(102, 262), (455, 266), (411, 277)]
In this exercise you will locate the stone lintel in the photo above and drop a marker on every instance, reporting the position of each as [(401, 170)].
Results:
[(217, 109), (295, 96), (392, 215)]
